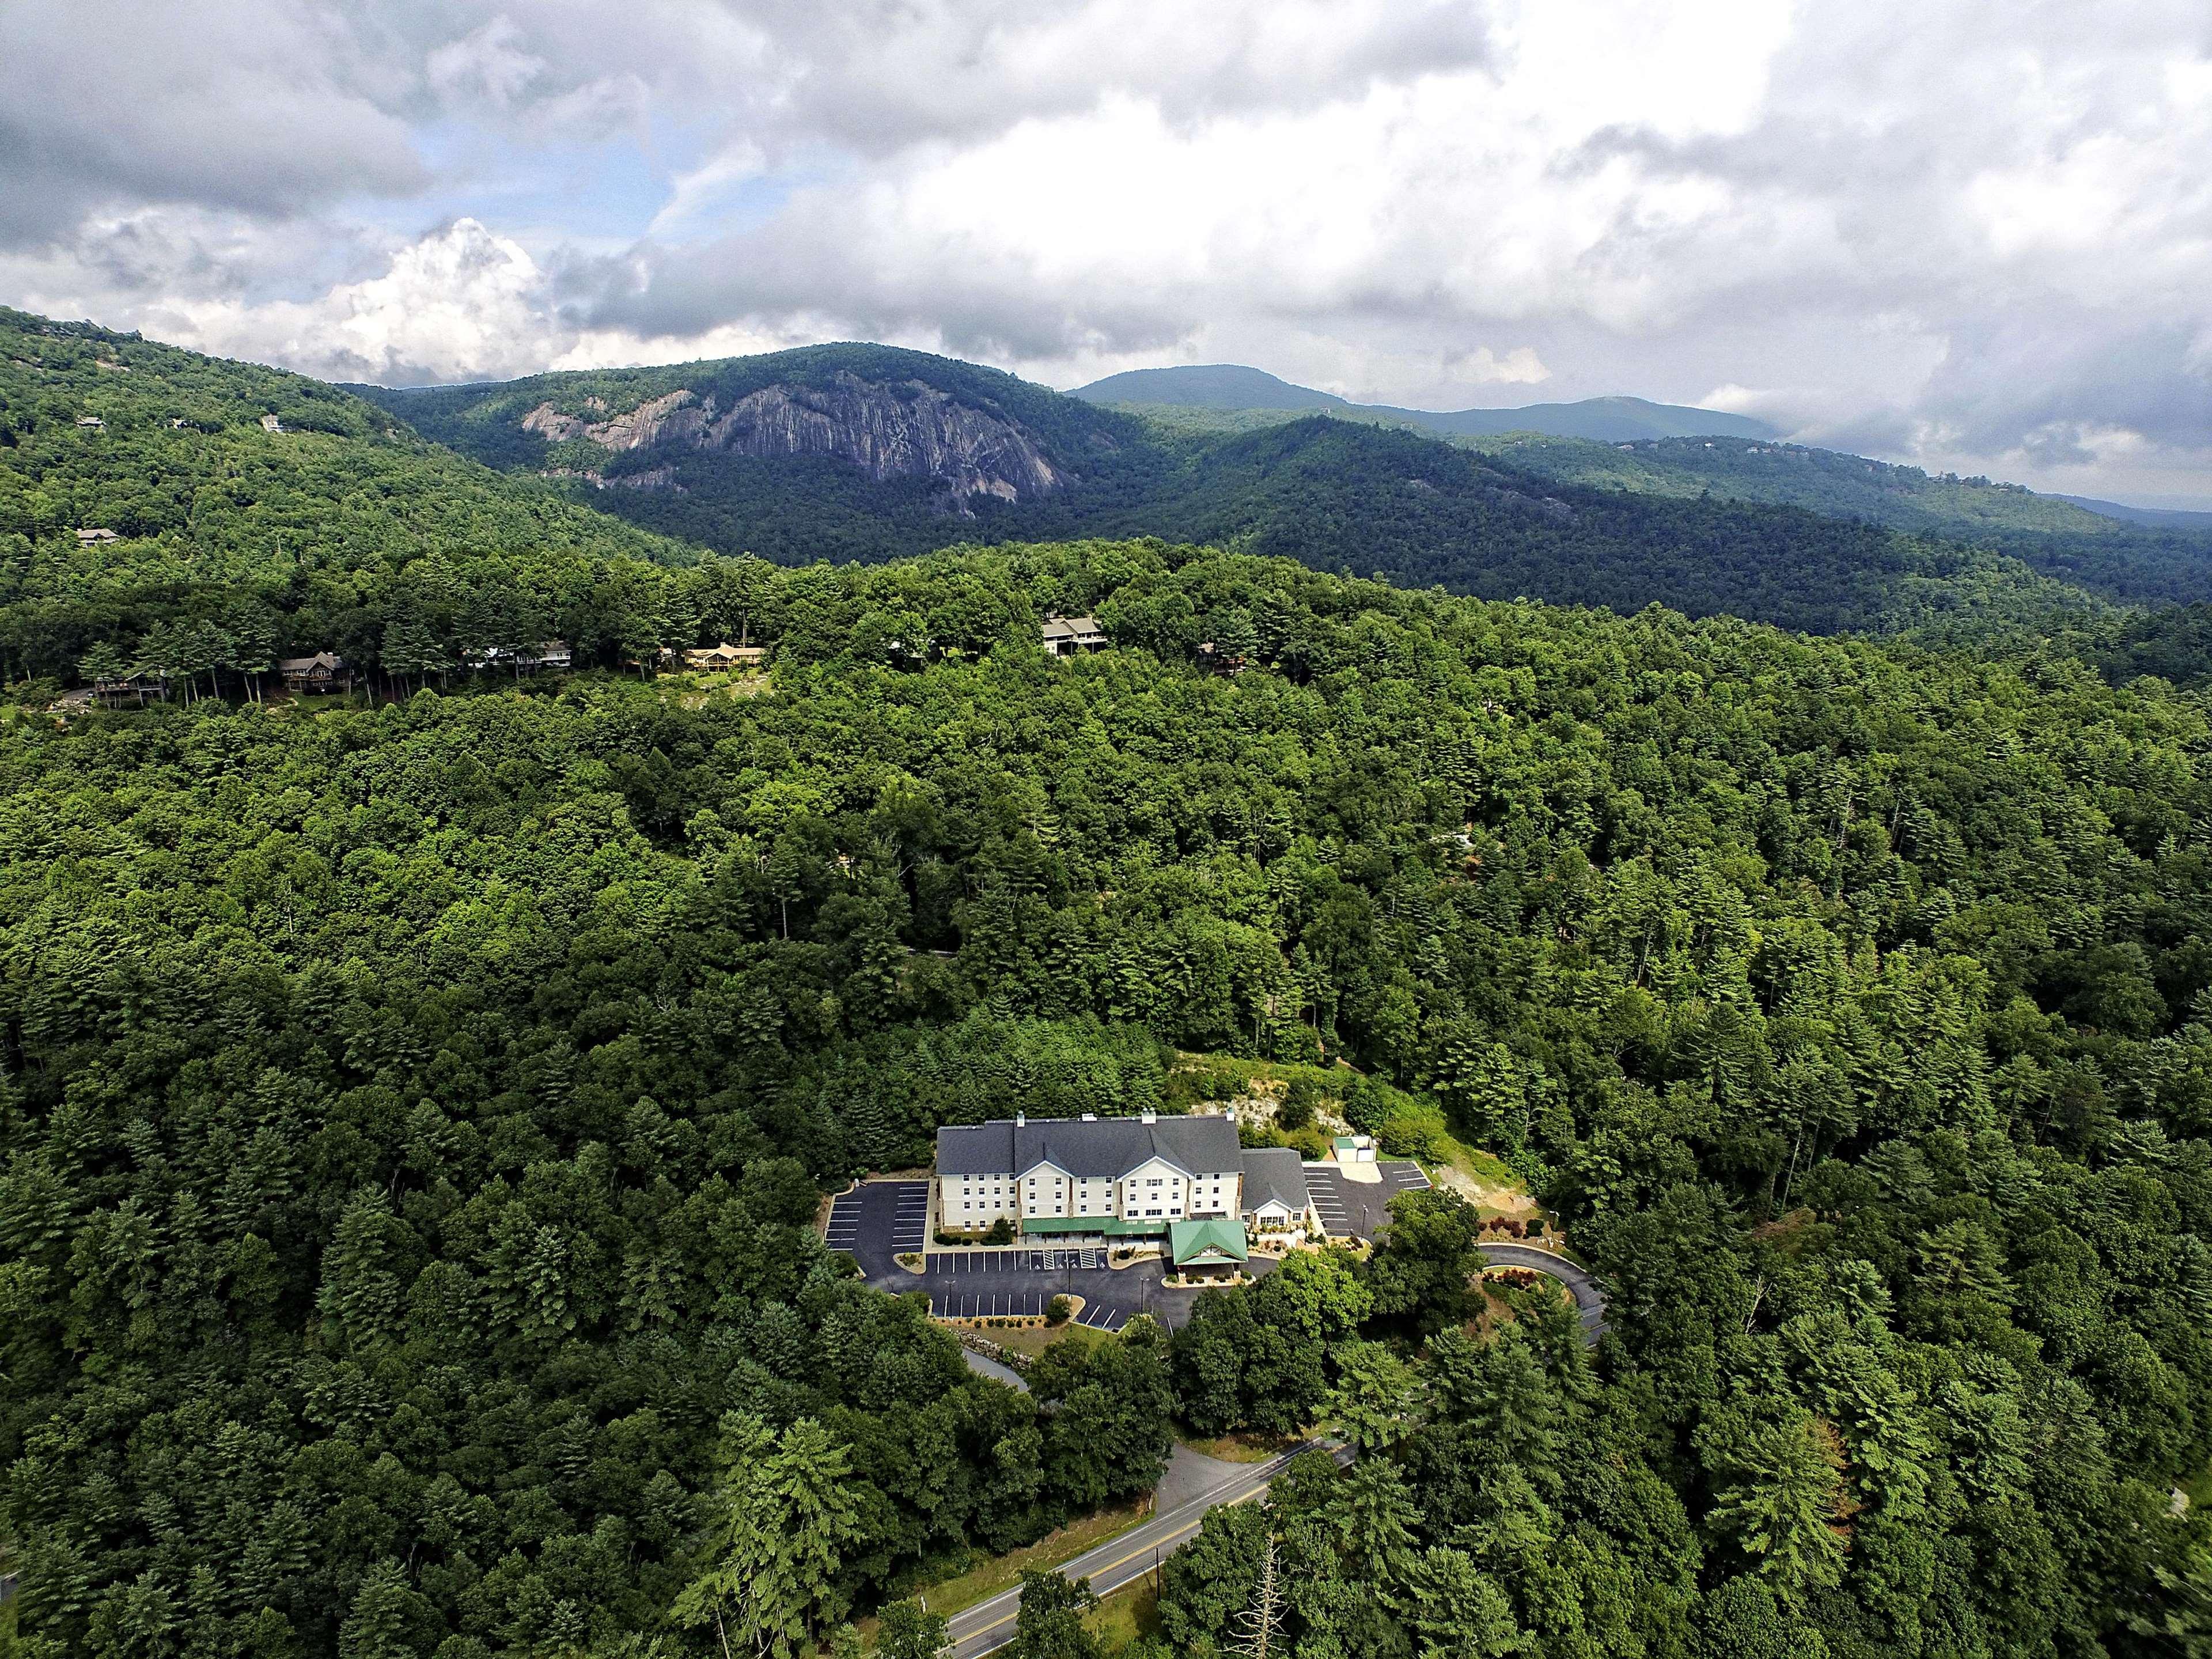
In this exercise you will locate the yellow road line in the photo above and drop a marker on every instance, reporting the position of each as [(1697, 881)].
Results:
[(1160, 1543)]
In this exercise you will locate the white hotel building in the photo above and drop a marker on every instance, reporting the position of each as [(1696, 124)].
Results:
[(1108, 1177)]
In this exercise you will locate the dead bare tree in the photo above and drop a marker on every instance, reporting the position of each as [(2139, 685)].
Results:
[(1259, 1622)]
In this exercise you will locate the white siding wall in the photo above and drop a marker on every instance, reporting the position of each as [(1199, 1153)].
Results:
[(1220, 1192), (1045, 1193), (975, 1200), (1155, 1191)]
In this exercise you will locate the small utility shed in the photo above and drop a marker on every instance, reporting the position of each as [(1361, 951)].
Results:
[(1213, 1246)]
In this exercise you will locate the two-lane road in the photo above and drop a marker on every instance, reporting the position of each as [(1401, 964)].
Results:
[(1124, 1558)]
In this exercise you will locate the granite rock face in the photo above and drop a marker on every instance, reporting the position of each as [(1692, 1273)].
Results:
[(674, 415), (904, 430)]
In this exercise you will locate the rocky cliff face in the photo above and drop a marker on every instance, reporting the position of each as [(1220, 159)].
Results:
[(674, 415), (906, 431)]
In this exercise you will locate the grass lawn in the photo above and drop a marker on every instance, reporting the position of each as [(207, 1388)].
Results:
[(1247, 1448), (1034, 1340), (1485, 1166), (1129, 1612), (987, 1578)]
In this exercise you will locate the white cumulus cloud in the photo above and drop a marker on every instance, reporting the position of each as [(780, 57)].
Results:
[(1962, 233)]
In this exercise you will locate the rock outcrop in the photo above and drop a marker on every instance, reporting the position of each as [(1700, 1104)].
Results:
[(674, 415), (908, 430)]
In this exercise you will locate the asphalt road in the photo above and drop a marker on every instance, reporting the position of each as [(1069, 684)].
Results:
[(1590, 1301), (1122, 1559)]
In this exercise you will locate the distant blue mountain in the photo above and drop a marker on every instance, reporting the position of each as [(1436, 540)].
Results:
[(2157, 518), (1232, 386)]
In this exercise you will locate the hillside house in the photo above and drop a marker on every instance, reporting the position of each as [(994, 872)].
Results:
[(325, 671), (1065, 635), (1104, 1177), (133, 689), (726, 656), (520, 658), (93, 538)]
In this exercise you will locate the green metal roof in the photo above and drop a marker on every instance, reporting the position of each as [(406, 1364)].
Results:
[(1106, 1226), (1203, 1242)]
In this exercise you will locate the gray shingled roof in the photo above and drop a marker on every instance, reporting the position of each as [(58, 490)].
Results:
[(1274, 1173), (1108, 1146)]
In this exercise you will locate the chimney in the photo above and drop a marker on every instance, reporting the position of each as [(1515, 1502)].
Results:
[(1148, 1117), (1021, 1120)]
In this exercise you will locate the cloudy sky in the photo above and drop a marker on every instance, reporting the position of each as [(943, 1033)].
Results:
[(1974, 235)]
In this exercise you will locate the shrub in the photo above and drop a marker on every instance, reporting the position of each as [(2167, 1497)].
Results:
[(1002, 1232), (1411, 1132), (1057, 1311)]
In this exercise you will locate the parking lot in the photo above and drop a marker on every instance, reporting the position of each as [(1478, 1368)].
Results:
[(1013, 1261), (1360, 1209), (1029, 1303), (879, 1221)]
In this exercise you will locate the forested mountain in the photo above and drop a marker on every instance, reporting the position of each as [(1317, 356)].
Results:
[(2157, 517), (1792, 475), (409, 1115), (2150, 560), (860, 452), (265, 506), (1230, 390), (145, 489)]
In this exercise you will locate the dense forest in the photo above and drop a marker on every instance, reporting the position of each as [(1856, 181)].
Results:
[(255, 515), (412, 1115), (143, 493), (2158, 560), (2137, 563)]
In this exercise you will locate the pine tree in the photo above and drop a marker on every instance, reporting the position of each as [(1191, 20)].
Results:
[(103, 663)]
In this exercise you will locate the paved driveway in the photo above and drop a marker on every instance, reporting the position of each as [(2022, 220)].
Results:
[(877, 1220), (1590, 1301)]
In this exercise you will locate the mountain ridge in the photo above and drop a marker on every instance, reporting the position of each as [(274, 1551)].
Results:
[(593, 458), (1236, 387)]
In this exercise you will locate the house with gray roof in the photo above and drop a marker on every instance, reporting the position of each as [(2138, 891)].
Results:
[(1064, 636), (1089, 1176)]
